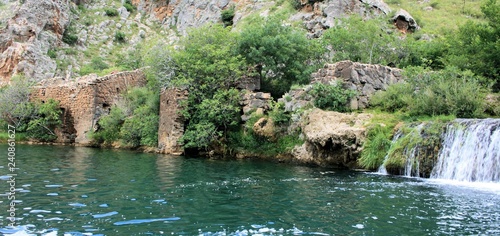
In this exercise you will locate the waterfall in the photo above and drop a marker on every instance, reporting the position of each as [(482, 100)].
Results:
[(411, 168), (470, 151)]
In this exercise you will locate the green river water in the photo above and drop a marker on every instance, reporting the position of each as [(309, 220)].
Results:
[(84, 191)]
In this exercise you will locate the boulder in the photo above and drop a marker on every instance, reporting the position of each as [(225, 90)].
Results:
[(332, 139), (264, 127), (404, 21)]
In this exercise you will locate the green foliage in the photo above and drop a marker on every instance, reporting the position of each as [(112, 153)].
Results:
[(120, 37), (209, 68), (332, 97), (227, 16), (42, 125), (378, 142), (129, 6), (15, 108), (69, 37), (212, 119), (111, 12), (141, 128), (109, 127), (96, 64), (431, 93), (348, 41), (251, 144), (476, 46), (52, 53), (283, 55), (278, 114), (135, 124)]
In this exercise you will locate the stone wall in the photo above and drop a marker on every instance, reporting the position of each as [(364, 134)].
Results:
[(171, 124), (365, 79), (84, 100)]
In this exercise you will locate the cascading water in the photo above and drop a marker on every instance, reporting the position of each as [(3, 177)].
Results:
[(411, 153), (470, 151)]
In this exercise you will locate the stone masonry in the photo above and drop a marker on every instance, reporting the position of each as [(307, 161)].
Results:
[(365, 79), (171, 124), (84, 100)]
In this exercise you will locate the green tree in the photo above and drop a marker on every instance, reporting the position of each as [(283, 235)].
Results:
[(208, 67), (15, 108), (363, 41), (283, 55), (43, 123), (476, 46)]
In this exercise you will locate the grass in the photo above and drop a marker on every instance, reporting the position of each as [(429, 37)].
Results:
[(19, 137), (446, 15)]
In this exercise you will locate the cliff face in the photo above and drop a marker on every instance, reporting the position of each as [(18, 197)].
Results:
[(31, 32), (36, 26)]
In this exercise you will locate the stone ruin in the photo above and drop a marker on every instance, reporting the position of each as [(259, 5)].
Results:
[(84, 100)]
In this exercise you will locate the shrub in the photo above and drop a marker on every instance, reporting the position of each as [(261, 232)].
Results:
[(119, 36), (281, 54), (129, 6), (278, 114), (42, 125), (375, 148), (111, 12), (109, 127), (227, 16), (52, 53), (331, 97), (69, 37), (431, 93)]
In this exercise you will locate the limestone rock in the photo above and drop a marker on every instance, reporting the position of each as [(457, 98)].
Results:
[(404, 21), (254, 102), (365, 79), (264, 127), (36, 26), (332, 139), (323, 14), (183, 14)]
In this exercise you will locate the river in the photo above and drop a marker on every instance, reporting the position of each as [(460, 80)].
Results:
[(84, 191)]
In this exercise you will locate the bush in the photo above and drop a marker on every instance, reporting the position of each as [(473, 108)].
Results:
[(281, 54), (227, 16), (129, 6), (331, 97), (52, 53), (111, 12), (376, 146), (432, 93), (119, 36), (69, 37), (109, 127), (42, 125), (135, 124), (476, 45)]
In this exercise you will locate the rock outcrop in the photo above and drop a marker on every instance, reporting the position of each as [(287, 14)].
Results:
[(365, 79), (322, 15), (254, 102), (183, 14), (332, 139), (84, 100), (37, 26)]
